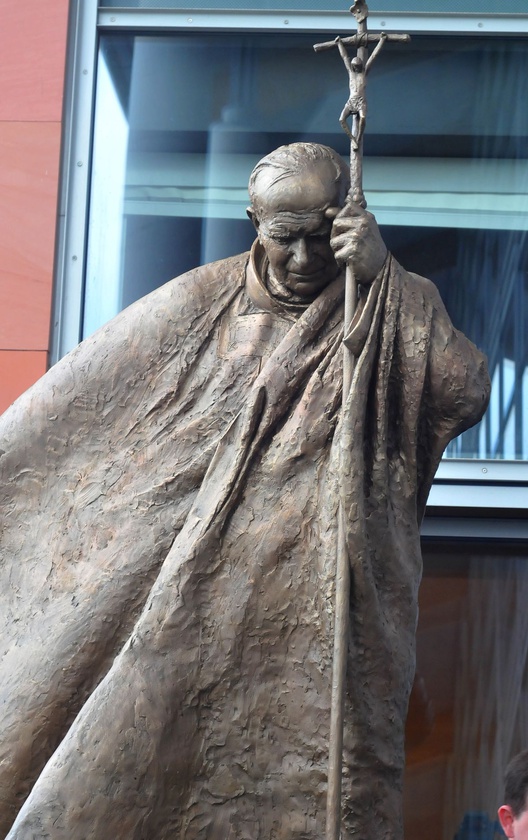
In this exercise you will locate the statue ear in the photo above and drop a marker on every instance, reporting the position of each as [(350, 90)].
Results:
[(253, 217)]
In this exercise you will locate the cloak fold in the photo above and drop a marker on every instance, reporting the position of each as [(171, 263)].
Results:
[(170, 500)]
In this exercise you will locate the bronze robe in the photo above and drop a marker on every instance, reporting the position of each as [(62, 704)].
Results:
[(168, 499)]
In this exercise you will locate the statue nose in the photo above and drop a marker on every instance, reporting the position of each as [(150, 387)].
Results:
[(300, 251)]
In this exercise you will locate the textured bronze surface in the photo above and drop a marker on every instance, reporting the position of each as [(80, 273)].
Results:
[(169, 496)]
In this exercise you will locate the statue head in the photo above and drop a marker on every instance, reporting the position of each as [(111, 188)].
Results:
[(295, 192), (357, 64)]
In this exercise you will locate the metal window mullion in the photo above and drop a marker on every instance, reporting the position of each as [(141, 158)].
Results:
[(75, 178), (519, 360), (321, 21)]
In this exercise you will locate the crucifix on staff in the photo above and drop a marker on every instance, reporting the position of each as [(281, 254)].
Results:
[(358, 68)]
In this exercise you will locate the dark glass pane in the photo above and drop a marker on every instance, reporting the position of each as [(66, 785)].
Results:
[(468, 712)]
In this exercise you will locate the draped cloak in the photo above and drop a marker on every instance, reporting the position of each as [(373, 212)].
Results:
[(169, 499)]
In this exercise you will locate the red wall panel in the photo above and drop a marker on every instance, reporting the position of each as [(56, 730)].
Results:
[(32, 54), (18, 370), (29, 160), (32, 58)]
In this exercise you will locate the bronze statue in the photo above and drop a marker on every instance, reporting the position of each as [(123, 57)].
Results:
[(169, 501)]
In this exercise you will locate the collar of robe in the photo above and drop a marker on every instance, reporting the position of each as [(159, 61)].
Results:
[(263, 299), (262, 296)]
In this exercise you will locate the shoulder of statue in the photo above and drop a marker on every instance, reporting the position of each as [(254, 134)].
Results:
[(419, 287)]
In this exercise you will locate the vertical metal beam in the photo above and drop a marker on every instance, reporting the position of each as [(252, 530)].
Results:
[(74, 177), (519, 358)]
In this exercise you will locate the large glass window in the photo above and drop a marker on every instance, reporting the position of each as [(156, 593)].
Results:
[(182, 118)]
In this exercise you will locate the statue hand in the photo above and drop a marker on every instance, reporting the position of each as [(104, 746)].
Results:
[(356, 240)]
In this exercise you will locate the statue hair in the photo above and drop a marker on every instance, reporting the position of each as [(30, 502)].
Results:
[(294, 159)]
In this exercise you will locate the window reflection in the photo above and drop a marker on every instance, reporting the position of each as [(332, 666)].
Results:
[(468, 712), (182, 118), (104, 295)]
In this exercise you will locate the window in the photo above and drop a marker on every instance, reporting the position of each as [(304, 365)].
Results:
[(182, 116)]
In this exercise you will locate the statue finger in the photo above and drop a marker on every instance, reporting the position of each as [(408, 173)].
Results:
[(331, 212)]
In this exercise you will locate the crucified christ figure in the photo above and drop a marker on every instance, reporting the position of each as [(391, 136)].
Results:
[(356, 105)]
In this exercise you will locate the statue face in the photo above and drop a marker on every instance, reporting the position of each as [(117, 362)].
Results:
[(294, 231)]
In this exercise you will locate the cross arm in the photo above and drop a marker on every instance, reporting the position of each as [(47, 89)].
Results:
[(358, 40)]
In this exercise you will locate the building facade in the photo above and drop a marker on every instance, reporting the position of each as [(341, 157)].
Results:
[(127, 134), (32, 63)]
